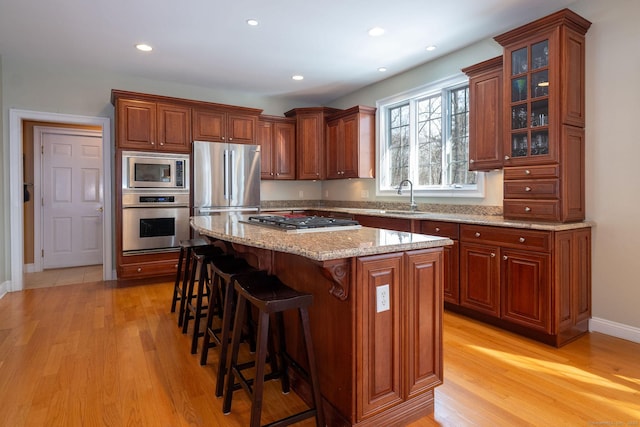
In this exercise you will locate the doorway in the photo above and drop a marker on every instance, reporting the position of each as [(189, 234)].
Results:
[(17, 119)]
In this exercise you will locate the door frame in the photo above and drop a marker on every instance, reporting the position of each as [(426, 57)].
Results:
[(16, 191), (38, 211)]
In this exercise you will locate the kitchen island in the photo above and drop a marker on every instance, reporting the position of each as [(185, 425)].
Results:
[(376, 319)]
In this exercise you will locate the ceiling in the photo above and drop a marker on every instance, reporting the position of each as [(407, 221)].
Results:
[(208, 43)]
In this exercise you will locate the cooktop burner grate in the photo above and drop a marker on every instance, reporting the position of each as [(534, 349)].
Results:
[(302, 223)]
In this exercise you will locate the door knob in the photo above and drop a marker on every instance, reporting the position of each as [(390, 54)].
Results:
[(100, 209)]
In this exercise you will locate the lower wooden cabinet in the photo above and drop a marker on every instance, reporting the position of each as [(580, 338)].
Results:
[(399, 318), (148, 265), (537, 283)]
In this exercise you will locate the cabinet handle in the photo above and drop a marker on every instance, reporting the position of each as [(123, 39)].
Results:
[(271, 174), (230, 139), (153, 143), (527, 188), (162, 143), (222, 138), (437, 229), (175, 266), (522, 239), (277, 174), (139, 269), (493, 255), (477, 234), (507, 157), (504, 257), (471, 161), (527, 209), (527, 172)]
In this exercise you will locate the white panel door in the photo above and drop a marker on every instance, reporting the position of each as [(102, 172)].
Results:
[(72, 198)]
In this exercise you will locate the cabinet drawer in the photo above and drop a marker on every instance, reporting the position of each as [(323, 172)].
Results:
[(397, 224), (529, 172), (532, 210), (149, 269), (532, 189), (440, 228), (507, 237)]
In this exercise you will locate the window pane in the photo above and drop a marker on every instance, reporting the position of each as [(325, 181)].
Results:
[(430, 141), (459, 128), (399, 143)]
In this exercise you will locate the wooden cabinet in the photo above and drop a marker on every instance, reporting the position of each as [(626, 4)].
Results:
[(398, 339), (310, 141), (230, 124), (543, 121), (485, 114), (350, 147), (398, 224), (536, 283), (451, 256), (152, 126), (276, 136)]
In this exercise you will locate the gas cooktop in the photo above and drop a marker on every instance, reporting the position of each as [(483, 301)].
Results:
[(301, 224)]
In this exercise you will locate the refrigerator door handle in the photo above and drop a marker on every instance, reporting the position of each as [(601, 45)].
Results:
[(231, 174), (225, 174)]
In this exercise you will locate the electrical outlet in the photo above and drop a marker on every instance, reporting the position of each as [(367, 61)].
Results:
[(301, 194), (382, 298)]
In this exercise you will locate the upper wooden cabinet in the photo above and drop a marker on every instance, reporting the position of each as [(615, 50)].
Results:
[(310, 141), (225, 125), (350, 137), (485, 115), (153, 126), (543, 117), (277, 137)]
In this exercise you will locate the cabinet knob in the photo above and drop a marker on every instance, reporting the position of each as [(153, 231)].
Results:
[(153, 143), (527, 188), (493, 254), (527, 172), (437, 229), (522, 239), (175, 266), (504, 257), (139, 269), (277, 174), (271, 174), (230, 139), (222, 138), (507, 157), (527, 209), (477, 234), (471, 161)]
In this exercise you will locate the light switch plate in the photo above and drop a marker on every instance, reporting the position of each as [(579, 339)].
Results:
[(382, 298)]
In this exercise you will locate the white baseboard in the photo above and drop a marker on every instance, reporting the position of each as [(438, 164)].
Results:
[(4, 288), (614, 329), (31, 268)]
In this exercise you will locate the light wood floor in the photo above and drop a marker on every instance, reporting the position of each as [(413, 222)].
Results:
[(96, 354), (63, 276)]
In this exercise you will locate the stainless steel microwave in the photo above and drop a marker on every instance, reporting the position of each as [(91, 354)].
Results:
[(155, 170)]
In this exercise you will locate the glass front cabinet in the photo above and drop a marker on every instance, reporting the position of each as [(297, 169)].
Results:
[(543, 122)]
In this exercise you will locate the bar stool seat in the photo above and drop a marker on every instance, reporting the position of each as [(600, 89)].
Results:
[(270, 296), (182, 275)]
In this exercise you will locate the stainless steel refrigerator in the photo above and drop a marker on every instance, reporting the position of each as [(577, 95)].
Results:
[(226, 177)]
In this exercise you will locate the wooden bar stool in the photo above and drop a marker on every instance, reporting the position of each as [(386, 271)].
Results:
[(270, 296), (194, 307), (182, 275), (223, 274)]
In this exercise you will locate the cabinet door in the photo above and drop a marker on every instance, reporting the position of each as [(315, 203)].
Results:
[(480, 278), (526, 281), (334, 147), (451, 278), (209, 125), (136, 124), (284, 150), (423, 297), (485, 115), (310, 146), (378, 333), (265, 139), (349, 153), (174, 128), (241, 128)]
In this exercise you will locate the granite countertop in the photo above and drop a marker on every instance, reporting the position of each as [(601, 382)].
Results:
[(493, 220), (318, 246)]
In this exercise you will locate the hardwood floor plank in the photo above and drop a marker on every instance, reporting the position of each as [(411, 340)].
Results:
[(97, 354)]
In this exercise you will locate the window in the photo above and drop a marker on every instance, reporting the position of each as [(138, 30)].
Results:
[(424, 137)]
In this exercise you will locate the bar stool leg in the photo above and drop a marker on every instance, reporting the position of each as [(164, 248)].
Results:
[(235, 346), (224, 338), (189, 294), (311, 357), (174, 300), (199, 307), (206, 344), (261, 357)]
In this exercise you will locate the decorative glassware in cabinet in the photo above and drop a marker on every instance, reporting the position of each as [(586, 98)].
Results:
[(519, 61), (540, 55), (519, 116), (539, 113), (540, 84), (519, 146), (519, 89)]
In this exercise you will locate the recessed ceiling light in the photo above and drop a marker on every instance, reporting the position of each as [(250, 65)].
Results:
[(252, 22), (382, 69), (376, 31), (144, 47), (297, 77), (432, 47)]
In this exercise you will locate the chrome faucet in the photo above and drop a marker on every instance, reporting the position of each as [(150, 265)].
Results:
[(412, 204)]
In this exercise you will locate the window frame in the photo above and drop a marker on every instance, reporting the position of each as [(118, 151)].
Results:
[(412, 96)]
